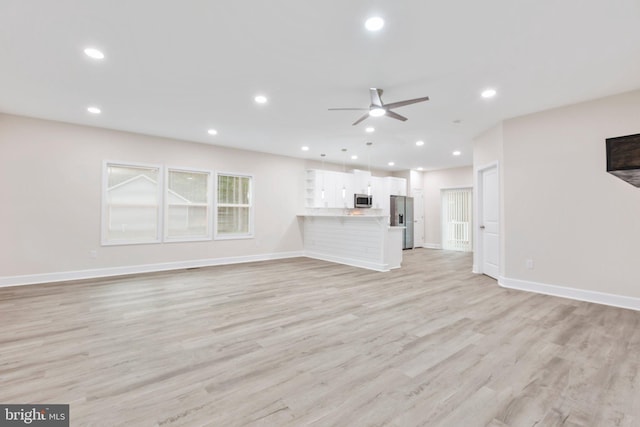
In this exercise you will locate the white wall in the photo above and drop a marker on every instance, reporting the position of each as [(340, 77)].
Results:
[(579, 224), (415, 181), (50, 185), (488, 147), (434, 183)]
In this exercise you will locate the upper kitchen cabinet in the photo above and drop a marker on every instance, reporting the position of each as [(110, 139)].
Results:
[(397, 186), (380, 193), (328, 189), (344, 190), (362, 181)]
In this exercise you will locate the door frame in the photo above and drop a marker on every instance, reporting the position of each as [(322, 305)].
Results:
[(418, 194), (478, 242)]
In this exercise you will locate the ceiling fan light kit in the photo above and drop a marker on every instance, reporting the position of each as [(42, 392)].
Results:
[(379, 108), (377, 112)]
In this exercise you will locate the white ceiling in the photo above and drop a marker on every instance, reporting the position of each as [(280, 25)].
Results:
[(176, 69)]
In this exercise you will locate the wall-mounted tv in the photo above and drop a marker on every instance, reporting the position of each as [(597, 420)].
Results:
[(623, 158)]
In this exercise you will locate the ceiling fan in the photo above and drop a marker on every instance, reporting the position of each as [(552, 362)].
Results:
[(379, 108)]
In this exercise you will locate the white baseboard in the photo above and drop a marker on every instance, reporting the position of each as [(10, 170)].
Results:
[(64, 276), (572, 293), (475, 269), (348, 261), (432, 246)]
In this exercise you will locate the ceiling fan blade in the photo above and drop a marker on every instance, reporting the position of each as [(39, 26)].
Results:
[(361, 109), (361, 119), (396, 116), (375, 96), (407, 102)]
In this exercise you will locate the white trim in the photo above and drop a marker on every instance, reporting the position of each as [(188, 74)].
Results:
[(432, 246), (348, 261), (418, 194), (571, 293), (64, 276), (234, 236)]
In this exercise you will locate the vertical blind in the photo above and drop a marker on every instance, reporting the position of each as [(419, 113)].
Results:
[(456, 220)]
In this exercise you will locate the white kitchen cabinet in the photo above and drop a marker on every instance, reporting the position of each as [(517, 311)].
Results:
[(324, 189), (339, 188), (397, 186), (344, 190), (362, 181), (379, 193)]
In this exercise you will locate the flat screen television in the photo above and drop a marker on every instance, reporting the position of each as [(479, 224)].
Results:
[(623, 158)]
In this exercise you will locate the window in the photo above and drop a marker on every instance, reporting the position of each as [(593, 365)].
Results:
[(131, 204), (151, 204), (234, 215), (188, 205)]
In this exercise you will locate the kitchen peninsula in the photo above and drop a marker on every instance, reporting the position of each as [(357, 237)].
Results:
[(336, 230), (353, 238)]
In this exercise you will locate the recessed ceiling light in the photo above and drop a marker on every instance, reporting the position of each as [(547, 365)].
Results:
[(456, 153), (212, 132), (488, 93), (354, 157), (419, 143), (420, 168), (94, 110), (370, 129), (261, 99), (93, 53), (391, 164), (375, 23), (305, 148), (377, 112)]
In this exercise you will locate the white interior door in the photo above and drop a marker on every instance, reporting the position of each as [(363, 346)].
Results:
[(418, 217), (489, 221)]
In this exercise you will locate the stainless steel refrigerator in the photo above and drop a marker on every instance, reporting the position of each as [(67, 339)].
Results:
[(402, 216)]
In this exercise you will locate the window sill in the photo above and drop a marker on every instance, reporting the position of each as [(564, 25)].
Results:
[(233, 236), (130, 242), (187, 239)]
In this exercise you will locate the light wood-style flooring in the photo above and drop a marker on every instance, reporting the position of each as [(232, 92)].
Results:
[(302, 342)]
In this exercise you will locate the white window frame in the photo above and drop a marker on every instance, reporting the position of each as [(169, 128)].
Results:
[(103, 220), (250, 233), (209, 204)]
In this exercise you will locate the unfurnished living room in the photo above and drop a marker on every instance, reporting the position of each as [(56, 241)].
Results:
[(355, 213)]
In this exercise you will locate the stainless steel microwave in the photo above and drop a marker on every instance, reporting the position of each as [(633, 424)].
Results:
[(362, 201)]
